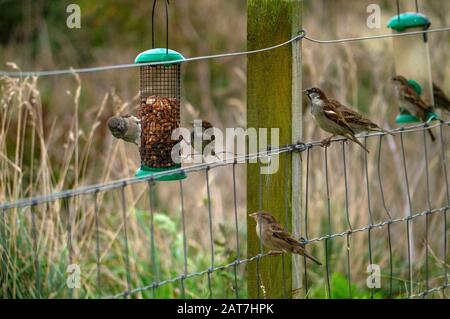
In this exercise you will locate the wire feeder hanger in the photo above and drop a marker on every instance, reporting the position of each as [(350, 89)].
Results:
[(166, 5)]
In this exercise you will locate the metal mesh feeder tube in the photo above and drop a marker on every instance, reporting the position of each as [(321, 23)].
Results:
[(159, 112)]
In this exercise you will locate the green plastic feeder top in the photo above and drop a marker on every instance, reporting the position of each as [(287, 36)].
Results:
[(409, 20), (159, 55)]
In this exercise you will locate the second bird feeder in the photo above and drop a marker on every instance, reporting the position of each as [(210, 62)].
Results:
[(412, 59), (160, 101)]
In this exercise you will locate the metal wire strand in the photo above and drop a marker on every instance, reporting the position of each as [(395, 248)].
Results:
[(211, 233), (383, 200), (306, 219), (153, 252), (258, 257), (34, 235), (427, 217), (301, 35), (447, 189), (261, 248), (327, 266), (185, 253), (286, 220), (347, 215), (408, 228), (72, 71), (66, 196), (91, 189), (236, 223), (369, 210), (66, 203), (125, 234), (97, 241)]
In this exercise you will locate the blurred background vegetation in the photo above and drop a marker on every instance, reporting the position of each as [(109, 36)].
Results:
[(53, 137)]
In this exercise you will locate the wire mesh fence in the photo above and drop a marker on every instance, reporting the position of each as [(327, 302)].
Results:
[(400, 228)]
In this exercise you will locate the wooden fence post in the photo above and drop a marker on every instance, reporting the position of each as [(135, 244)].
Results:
[(274, 101)]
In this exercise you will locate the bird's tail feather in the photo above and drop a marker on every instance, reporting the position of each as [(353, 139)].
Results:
[(301, 251), (354, 139), (312, 258), (432, 135)]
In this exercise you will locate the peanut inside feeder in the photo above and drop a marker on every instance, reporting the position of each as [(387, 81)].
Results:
[(160, 101)]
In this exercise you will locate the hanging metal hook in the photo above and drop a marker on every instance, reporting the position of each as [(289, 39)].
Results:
[(166, 3)]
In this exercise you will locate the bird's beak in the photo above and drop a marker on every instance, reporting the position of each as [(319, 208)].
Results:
[(306, 92), (253, 215)]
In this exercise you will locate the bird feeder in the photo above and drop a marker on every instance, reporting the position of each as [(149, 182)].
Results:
[(412, 59), (160, 100)]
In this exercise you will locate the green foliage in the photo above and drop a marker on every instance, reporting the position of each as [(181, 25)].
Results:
[(340, 289)]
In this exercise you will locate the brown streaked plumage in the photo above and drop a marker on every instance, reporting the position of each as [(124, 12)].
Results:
[(274, 237), (411, 100), (328, 117), (357, 122), (441, 100)]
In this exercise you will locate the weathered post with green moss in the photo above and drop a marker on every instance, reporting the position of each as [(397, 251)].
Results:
[(274, 101)]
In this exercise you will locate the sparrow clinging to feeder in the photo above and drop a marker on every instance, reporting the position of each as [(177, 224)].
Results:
[(197, 134), (441, 100), (274, 237), (126, 127), (328, 117), (411, 100)]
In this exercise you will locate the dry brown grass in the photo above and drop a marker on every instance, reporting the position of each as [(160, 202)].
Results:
[(53, 137)]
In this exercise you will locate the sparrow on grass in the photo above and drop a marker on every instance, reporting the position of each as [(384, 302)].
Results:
[(126, 127), (328, 117), (274, 237), (411, 100), (441, 100)]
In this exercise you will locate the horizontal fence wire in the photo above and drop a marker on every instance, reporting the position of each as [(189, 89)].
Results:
[(229, 160), (121, 185), (206, 168), (300, 36)]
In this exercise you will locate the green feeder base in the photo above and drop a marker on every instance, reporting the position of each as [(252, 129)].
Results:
[(404, 118), (145, 171)]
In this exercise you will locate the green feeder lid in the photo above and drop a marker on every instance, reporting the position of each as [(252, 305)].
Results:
[(405, 117), (145, 171), (159, 55), (409, 20)]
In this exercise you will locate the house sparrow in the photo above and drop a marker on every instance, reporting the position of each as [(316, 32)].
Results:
[(411, 100), (357, 122), (276, 238), (126, 127), (328, 117), (441, 100), (199, 128)]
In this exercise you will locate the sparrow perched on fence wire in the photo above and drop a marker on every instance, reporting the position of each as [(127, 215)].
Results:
[(441, 100), (357, 122), (126, 127), (411, 100), (328, 117), (274, 237)]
